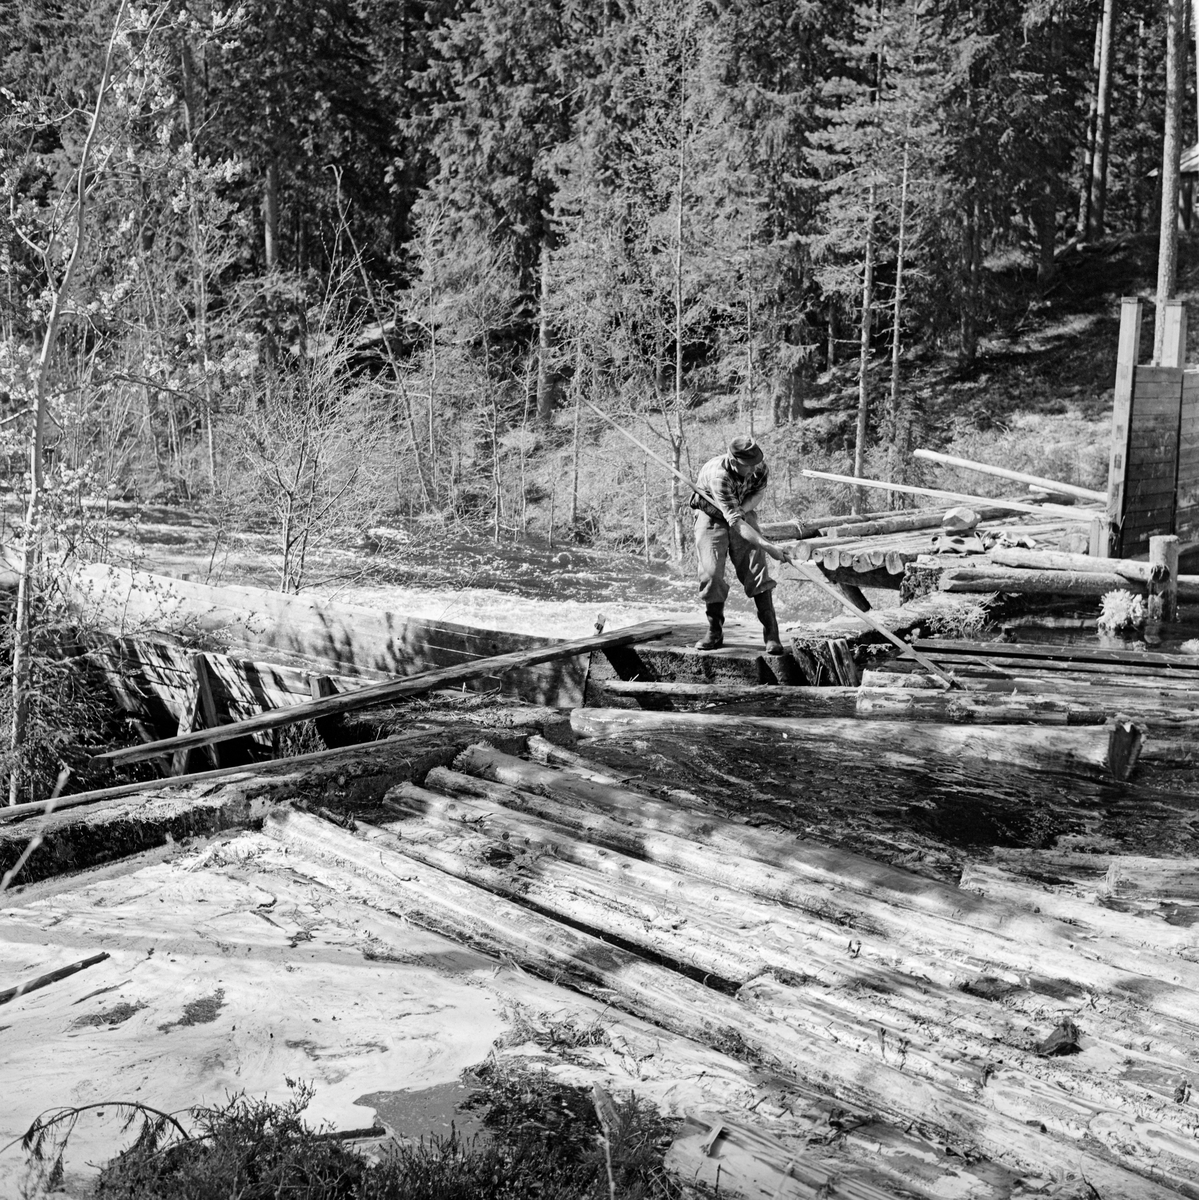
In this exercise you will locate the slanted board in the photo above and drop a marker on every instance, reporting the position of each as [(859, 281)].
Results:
[(1152, 465), (1186, 511), (304, 631)]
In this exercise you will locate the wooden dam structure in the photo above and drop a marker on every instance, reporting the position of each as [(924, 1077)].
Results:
[(870, 930)]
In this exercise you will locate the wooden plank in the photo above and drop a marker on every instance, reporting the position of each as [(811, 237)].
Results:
[(387, 693), (208, 709), (1128, 351), (1174, 335)]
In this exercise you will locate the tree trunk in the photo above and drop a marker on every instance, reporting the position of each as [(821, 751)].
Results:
[(1102, 122), (899, 419), (1167, 254), (545, 374), (1086, 197), (1045, 222), (968, 321), (859, 449), (32, 533), (270, 215)]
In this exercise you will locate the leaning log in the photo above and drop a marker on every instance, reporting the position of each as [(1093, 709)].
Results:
[(1082, 753), (966, 935), (387, 693), (500, 927)]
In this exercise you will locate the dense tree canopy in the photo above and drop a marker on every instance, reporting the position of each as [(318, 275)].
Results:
[(513, 208)]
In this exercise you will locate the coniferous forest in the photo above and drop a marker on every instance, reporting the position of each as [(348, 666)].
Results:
[(333, 263)]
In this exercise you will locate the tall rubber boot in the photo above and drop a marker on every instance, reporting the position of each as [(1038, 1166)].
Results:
[(715, 638), (770, 623)]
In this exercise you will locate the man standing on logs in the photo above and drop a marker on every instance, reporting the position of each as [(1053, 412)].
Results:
[(729, 489)]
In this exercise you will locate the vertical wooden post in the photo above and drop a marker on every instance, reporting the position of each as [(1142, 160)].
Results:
[(1163, 579), (331, 730), (1174, 339), (202, 670), (1128, 352)]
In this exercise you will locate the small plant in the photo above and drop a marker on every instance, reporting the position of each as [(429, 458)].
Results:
[(1122, 612), (544, 1140)]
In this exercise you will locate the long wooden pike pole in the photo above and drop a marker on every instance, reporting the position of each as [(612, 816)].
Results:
[(806, 572)]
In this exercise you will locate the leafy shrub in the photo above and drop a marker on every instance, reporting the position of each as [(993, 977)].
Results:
[(543, 1140)]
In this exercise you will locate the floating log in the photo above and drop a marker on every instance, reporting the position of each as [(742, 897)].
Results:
[(1038, 481), (868, 897), (1070, 514), (1085, 753), (548, 947), (387, 693)]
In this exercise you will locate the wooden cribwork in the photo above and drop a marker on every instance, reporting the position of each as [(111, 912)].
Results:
[(375, 695)]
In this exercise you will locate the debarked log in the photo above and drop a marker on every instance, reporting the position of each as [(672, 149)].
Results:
[(1085, 753), (1019, 582), (967, 934), (548, 947), (1089, 583), (681, 917), (770, 955), (889, 700)]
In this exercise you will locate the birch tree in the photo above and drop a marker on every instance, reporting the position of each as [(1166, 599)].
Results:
[(32, 530)]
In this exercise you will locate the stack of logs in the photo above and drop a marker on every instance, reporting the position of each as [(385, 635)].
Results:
[(1032, 572), (902, 998)]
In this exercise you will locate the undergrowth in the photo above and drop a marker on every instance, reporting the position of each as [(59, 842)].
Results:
[(543, 1140)]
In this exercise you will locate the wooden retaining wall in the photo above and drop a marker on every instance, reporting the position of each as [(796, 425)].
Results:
[(1153, 479), (312, 634)]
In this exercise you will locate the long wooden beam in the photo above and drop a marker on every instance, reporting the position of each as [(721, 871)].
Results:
[(966, 464), (1058, 510), (385, 693)]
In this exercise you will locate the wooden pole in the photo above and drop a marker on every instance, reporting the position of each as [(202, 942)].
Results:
[(1163, 579), (1127, 352), (1068, 489), (1058, 510)]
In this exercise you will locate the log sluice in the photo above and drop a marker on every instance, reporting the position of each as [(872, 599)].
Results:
[(845, 887), (928, 1006)]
